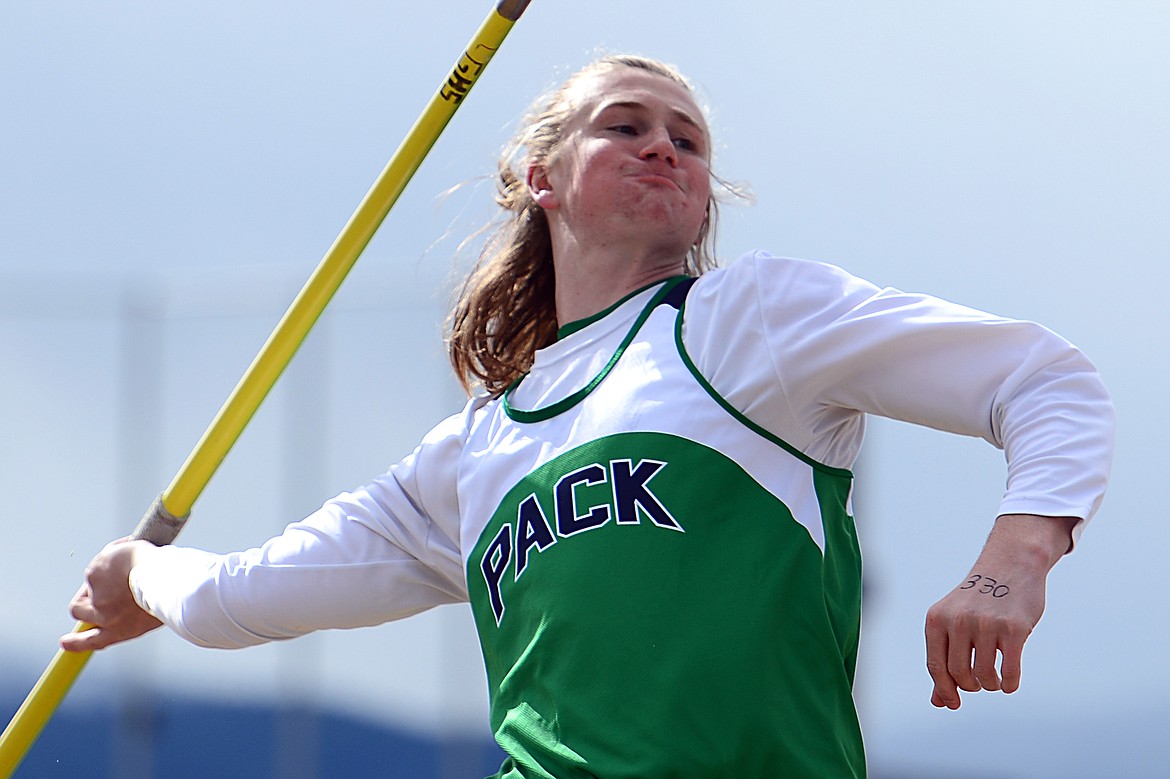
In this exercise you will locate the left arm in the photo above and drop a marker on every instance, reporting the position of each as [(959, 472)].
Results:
[(841, 348), (1013, 383)]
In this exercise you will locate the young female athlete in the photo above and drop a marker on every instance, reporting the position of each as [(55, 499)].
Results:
[(648, 505)]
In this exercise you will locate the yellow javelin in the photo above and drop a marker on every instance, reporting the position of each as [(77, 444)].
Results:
[(165, 518)]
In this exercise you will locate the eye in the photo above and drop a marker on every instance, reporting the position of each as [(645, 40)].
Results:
[(624, 129), (686, 144)]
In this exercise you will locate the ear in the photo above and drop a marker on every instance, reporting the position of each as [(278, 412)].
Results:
[(540, 188)]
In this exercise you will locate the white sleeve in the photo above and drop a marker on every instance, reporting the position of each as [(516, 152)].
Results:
[(836, 347), (380, 553)]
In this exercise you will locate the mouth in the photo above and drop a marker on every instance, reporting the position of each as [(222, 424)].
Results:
[(657, 179)]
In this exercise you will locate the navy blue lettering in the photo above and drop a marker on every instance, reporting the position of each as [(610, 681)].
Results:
[(628, 499), (494, 563), (568, 520), (631, 494), (532, 529)]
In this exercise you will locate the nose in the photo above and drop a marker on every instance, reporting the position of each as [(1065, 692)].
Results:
[(658, 143)]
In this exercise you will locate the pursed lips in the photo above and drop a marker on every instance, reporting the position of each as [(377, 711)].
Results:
[(656, 177)]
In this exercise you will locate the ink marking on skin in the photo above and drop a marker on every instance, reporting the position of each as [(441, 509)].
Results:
[(987, 586)]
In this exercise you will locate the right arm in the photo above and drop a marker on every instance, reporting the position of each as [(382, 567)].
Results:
[(383, 552)]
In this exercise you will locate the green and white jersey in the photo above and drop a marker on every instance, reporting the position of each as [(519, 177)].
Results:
[(653, 526), (661, 588)]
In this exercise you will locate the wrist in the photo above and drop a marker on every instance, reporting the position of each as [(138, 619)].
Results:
[(1034, 541)]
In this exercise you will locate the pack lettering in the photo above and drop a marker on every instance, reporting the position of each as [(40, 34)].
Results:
[(630, 499)]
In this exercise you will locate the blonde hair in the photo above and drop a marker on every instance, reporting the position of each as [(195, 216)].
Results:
[(506, 307)]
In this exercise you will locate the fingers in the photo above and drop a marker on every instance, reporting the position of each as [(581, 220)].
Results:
[(983, 673), (962, 653), (946, 691), (1013, 652), (87, 640), (80, 601), (90, 637), (959, 651)]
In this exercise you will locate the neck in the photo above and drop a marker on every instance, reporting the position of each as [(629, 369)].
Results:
[(588, 284), (592, 275)]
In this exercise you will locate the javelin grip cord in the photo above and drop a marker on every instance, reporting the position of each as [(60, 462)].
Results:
[(159, 526), (165, 519)]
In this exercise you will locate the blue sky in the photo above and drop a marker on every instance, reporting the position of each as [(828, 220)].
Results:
[(170, 174)]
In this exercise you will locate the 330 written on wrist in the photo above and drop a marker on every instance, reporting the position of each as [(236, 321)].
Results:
[(986, 585)]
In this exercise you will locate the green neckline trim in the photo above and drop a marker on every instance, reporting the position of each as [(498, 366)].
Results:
[(580, 324), (551, 410), (706, 385)]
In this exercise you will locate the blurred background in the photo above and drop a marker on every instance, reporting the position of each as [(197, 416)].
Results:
[(170, 174)]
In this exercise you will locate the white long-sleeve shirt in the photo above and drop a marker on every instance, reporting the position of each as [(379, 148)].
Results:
[(803, 349)]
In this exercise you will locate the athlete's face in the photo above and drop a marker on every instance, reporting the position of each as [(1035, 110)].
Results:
[(634, 157)]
